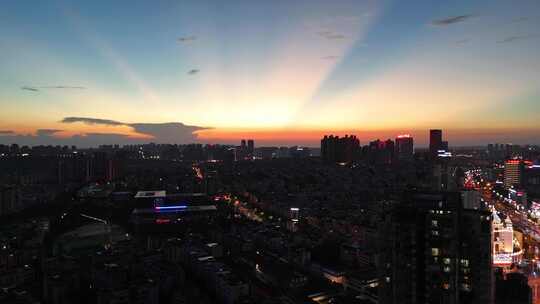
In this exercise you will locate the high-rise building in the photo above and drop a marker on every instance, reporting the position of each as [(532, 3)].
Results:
[(531, 179), (100, 163), (404, 147), (112, 169), (513, 171), (9, 199), (329, 145), (389, 150), (434, 250), (250, 146), (435, 141), (446, 177), (381, 152), (242, 151), (339, 149), (294, 215)]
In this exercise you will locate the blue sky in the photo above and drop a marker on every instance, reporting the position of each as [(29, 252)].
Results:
[(275, 67)]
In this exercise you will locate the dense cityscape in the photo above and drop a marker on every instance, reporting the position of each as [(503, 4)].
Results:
[(383, 222), (270, 152)]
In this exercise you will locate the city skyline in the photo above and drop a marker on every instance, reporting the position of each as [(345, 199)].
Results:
[(281, 73), (261, 152)]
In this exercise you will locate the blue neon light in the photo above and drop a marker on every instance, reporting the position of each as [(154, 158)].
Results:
[(171, 207)]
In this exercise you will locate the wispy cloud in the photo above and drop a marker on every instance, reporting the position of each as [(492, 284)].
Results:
[(61, 87), (451, 20), (32, 89), (186, 39), (193, 72), (519, 20), (331, 35), (331, 57), (335, 37), (92, 121), (463, 41), (6, 132), (47, 132), (516, 38), (64, 87)]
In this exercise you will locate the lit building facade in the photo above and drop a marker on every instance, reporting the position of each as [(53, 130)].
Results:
[(503, 240), (513, 170)]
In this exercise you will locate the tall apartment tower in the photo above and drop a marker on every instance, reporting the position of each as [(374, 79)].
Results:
[(339, 149), (435, 141), (251, 146), (404, 147), (434, 250), (294, 215), (513, 172)]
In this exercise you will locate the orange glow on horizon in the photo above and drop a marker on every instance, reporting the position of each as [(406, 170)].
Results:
[(290, 136), (303, 135)]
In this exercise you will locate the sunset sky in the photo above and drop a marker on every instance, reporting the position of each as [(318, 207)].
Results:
[(281, 72)]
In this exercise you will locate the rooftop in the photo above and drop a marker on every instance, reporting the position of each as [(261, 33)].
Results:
[(154, 193)]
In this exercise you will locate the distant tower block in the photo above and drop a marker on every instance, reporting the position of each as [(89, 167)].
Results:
[(294, 216), (251, 146)]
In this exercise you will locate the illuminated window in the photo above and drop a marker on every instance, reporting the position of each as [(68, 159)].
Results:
[(446, 269), (435, 251), (447, 261), (434, 223), (465, 262), (446, 286), (434, 232), (466, 287)]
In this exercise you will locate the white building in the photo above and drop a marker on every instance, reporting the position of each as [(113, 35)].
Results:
[(503, 240)]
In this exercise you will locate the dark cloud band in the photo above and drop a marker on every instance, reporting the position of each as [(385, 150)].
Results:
[(170, 132), (516, 38), (92, 121), (451, 20)]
